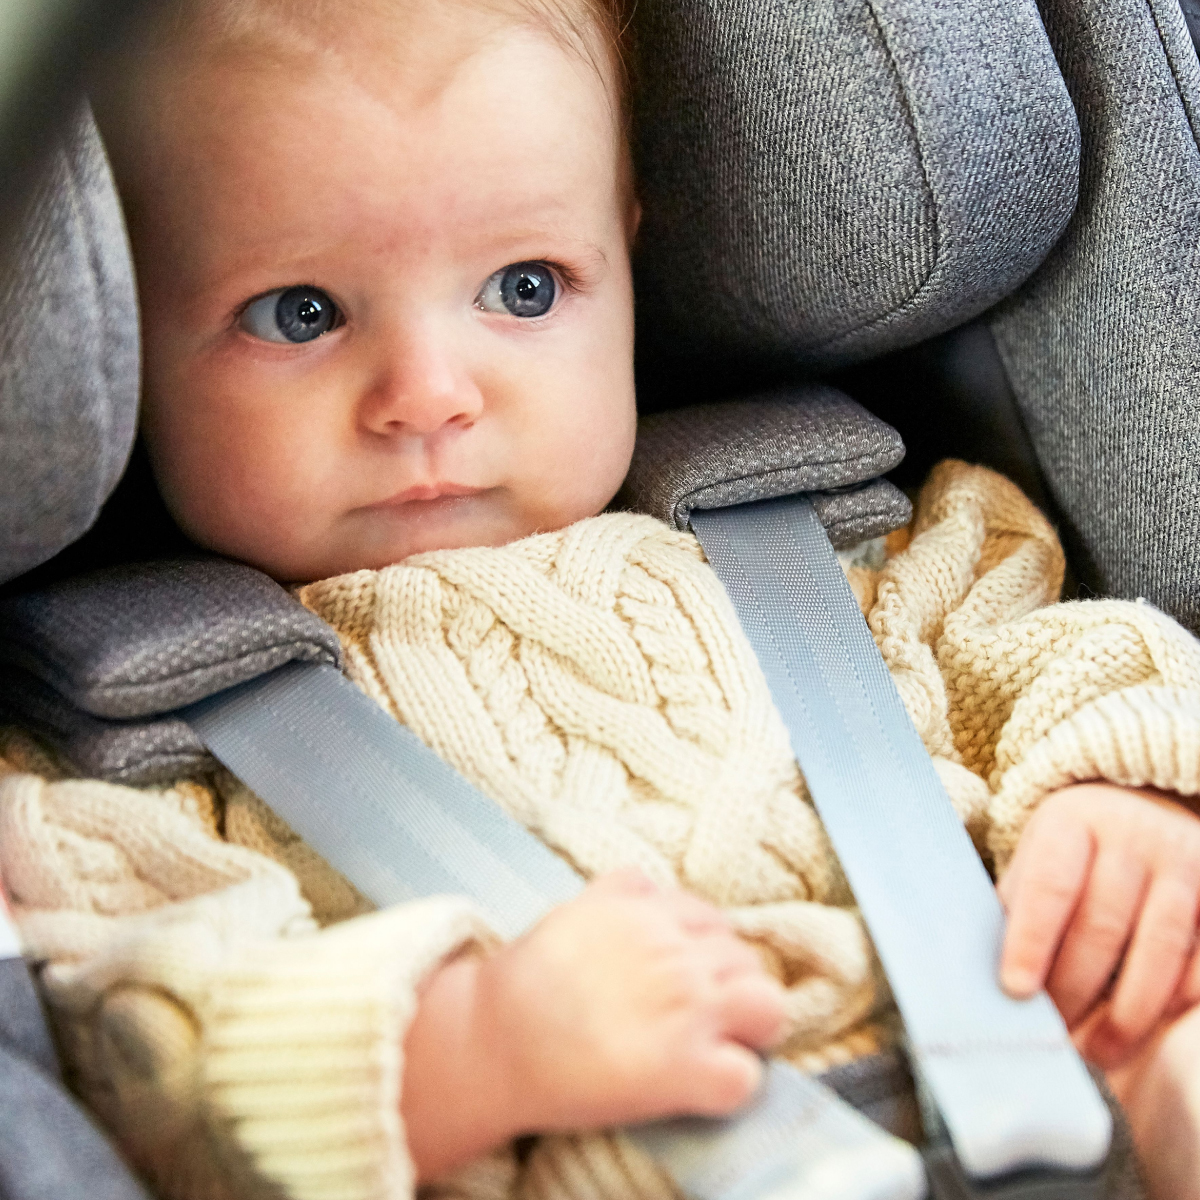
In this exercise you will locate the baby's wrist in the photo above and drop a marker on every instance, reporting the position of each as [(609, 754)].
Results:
[(456, 1065)]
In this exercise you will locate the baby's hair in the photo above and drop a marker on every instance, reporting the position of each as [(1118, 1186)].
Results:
[(596, 29), (612, 20)]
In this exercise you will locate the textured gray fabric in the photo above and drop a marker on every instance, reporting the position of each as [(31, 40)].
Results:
[(22, 1024), (863, 512), (806, 439), (68, 354), (49, 1148), (881, 1087), (823, 180), (1103, 345), (145, 639), (155, 750)]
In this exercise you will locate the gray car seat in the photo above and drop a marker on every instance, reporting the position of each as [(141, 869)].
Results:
[(68, 298), (1082, 385), (823, 183)]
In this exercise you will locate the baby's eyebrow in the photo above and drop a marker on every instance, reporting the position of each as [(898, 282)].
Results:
[(549, 239)]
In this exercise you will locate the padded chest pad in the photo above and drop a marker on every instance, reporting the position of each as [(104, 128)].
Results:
[(96, 665)]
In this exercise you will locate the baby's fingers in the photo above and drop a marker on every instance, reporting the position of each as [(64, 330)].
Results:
[(1154, 965), (727, 1078), (1187, 992), (1098, 935), (754, 1011), (1041, 890)]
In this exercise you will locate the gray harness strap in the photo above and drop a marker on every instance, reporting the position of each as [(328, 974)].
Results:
[(399, 823), (1003, 1074)]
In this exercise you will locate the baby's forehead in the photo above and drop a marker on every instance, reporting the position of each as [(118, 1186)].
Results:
[(406, 54), (273, 152)]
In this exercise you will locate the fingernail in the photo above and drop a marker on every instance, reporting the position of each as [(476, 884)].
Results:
[(1018, 982)]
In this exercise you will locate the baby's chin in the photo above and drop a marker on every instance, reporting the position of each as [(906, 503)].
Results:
[(382, 536)]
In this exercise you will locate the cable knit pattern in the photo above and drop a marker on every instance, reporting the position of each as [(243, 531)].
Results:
[(595, 683), (1029, 696)]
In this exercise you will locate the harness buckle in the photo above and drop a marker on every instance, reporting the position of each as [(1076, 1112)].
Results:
[(948, 1180)]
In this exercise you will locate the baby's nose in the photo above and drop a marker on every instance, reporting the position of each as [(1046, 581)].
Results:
[(420, 388)]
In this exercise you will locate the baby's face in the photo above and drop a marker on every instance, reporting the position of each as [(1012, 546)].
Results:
[(385, 292)]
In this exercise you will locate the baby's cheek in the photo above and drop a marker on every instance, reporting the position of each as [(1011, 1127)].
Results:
[(588, 471)]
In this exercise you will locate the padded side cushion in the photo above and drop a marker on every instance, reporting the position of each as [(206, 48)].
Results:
[(1103, 344), (68, 354), (145, 639), (810, 439), (824, 180)]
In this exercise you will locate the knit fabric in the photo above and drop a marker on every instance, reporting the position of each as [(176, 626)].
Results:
[(233, 1049), (594, 682)]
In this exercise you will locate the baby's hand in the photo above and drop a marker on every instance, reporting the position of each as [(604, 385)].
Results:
[(631, 1003), (625, 1004), (1102, 897)]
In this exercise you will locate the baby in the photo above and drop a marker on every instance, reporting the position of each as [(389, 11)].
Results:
[(383, 257)]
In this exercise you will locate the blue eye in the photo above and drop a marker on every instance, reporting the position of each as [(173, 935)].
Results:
[(525, 289), (295, 314)]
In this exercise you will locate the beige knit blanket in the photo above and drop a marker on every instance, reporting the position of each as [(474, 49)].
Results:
[(593, 681)]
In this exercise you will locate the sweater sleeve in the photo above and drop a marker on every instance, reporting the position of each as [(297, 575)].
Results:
[(231, 1047), (1027, 694)]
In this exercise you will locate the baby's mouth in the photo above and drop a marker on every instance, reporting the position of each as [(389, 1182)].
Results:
[(424, 494)]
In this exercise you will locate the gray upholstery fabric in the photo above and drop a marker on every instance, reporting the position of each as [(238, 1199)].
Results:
[(22, 1025), (136, 752), (49, 1148), (1103, 345), (145, 639), (68, 354), (881, 1086), (807, 439), (823, 180)]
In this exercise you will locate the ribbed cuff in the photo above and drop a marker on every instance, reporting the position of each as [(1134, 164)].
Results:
[(303, 1055), (1139, 737)]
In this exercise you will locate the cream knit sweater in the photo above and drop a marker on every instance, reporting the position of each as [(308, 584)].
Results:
[(236, 1016)]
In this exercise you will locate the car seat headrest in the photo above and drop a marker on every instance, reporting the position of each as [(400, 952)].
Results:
[(825, 181), (68, 353), (96, 665)]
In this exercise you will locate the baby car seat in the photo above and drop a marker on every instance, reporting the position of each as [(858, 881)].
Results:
[(824, 183)]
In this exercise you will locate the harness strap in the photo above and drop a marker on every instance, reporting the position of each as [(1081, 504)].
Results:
[(1003, 1074), (399, 823)]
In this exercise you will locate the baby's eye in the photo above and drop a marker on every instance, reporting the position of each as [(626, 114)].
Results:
[(295, 314), (526, 289)]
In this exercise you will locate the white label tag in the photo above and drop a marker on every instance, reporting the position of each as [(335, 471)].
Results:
[(10, 947)]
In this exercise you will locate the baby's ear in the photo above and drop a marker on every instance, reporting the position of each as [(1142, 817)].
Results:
[(633, 219)]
